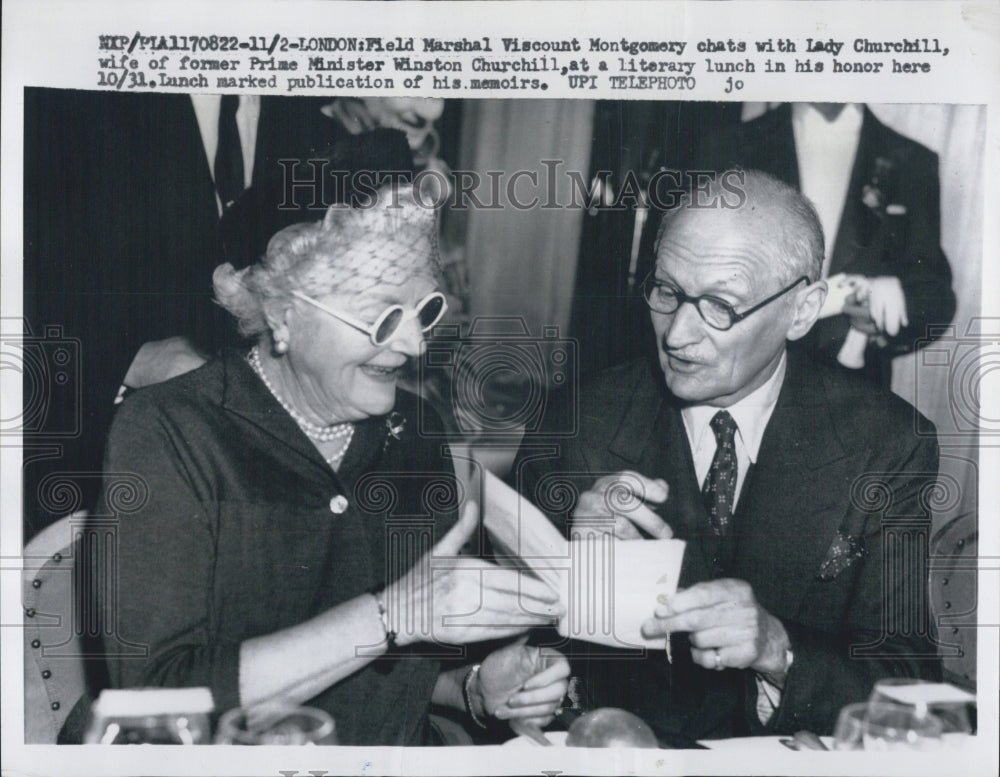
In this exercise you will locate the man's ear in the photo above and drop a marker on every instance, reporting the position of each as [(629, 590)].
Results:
[(808, 303)]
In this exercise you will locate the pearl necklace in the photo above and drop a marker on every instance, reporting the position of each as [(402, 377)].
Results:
[(329, 433)]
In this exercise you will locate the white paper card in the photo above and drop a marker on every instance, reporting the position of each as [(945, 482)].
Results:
[(608, 586)]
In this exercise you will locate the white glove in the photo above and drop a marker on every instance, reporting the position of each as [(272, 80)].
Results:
[(840, 288), (887, 304)]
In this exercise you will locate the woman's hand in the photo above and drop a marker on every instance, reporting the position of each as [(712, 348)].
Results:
[(523, 683), (456, 599)]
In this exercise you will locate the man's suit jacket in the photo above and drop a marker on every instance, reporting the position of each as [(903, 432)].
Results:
[(869, 240), (122, 233), (837, 462)]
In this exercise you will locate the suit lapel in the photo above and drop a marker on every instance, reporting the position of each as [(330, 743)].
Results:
[(798, 495), (781, 137), (685, 511), (246, 396), (636, 433), (652, 438), (183, 156), (262, 154), (189, 137), (857, 222)]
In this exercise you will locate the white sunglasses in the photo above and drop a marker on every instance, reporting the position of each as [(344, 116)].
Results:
[(429, 311)]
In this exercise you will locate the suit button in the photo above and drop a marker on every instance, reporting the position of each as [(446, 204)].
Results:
[(30, 612), (36, 583), (57, 557), (338, 504), (55, 705), (36, 643), (46, 674)]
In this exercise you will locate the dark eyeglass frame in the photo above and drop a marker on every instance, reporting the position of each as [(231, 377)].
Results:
[(372, 330), (734, 318)]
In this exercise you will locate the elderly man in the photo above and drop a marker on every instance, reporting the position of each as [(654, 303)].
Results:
[(799, 489)]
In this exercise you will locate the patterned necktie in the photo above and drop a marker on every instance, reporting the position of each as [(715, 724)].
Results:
[(719, 491), (228, 166)]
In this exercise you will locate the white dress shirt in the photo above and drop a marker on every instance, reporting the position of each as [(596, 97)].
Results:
[(206, 111), (825, 151), (751, 415)]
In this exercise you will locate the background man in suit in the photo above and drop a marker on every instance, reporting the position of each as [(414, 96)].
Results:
[(877, 196), (793, 600)]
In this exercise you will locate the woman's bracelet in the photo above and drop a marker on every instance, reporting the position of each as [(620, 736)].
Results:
[(383, 614), (470, 677)]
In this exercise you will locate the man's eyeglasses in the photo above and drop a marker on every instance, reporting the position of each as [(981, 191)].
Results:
[(428, 311), (662, 297)]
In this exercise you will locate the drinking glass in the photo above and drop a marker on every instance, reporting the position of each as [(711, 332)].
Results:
[(293, 726), (848, 734), (899, 727), (946, 702)]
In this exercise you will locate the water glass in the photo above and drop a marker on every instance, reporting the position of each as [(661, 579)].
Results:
[(292, 726), (848, 734), (946, 702), (898, 727)]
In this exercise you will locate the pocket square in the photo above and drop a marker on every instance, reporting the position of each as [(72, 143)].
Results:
[(844, 551)]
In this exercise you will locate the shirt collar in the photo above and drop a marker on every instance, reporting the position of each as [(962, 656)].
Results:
[(751, 414), (848, 121)]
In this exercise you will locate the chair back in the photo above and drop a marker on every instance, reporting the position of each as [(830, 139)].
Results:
[(54, 672), (953, 586)]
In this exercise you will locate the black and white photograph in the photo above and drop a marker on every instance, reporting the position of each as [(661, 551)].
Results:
[(460, 403)]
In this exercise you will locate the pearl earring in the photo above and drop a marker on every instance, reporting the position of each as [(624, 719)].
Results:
[(280, 346)]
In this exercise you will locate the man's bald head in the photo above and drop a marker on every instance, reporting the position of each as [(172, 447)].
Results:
[(768, 210)]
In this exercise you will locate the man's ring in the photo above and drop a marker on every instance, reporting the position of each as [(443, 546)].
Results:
[(718, 661)]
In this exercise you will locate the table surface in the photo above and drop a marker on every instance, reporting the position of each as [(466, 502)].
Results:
[(558, 739)]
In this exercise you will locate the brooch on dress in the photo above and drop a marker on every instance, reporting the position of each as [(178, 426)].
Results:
[(395, 423)]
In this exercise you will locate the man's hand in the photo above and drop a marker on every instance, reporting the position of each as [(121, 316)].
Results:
[(160, 360), (626, 497), (728, 627)]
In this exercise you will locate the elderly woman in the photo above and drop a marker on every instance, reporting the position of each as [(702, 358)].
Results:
[(279, 550)]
